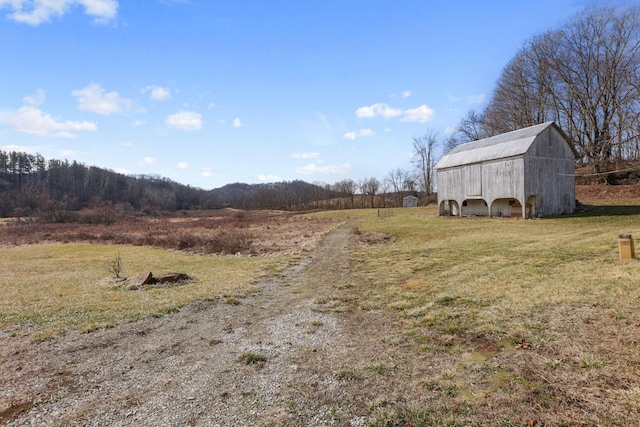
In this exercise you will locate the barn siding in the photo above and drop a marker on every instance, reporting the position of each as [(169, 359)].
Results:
[(542, 175)]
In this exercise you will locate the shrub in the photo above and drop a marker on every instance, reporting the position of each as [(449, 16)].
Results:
[(252, 358)]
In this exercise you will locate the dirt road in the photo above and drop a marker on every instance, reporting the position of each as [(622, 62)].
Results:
[(280, 357)]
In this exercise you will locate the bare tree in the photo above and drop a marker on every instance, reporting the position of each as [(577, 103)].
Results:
[(370, 187), (423, 158), (397, 179), (585, 77)]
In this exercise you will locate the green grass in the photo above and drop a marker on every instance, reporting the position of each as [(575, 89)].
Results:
[(67, 286), (252, 358)]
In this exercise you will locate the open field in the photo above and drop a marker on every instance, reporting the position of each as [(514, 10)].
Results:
[(59, 286), (523, 320), (417, 320)]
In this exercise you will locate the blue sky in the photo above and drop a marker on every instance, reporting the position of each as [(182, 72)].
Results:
[(210, 92)]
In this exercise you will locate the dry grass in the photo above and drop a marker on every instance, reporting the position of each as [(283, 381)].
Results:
[(57, 286), (60, 286), (225, 231), (519, 321)]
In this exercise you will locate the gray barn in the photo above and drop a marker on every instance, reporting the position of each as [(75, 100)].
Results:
[(525, 173)]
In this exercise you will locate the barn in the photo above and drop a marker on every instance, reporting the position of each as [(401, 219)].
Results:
[(525, 173)]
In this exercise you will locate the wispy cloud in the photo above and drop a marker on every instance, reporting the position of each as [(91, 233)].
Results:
[(315, 168), (469, 99), (206, 171), (420, 114), (148, 161), (93, 98), (237, 123), (157, 93), (33, 121), (36, 12), (406, 93), (35, 99), (358, 134), (269, 178), (182, 165), (185, 120), (305, 155)]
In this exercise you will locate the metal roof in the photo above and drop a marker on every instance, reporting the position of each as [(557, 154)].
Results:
[(508, 144)]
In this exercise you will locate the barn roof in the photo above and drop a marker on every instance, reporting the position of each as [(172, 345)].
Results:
[(508, 144)]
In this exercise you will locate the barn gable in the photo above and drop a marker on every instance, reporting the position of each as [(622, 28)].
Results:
[(527, 172)]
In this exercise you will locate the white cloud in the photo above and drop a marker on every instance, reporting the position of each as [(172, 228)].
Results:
[(138, 123), (157, 93), (378, 109), (148, 161), (33, 121), (185, 120), (358, 134), (182, 165), (406, 94), (420, 114), (269, 178), (35, 12), (206, 171), (211, 106), (36, 99), (305, 155), (93, 98), (313, 168), (237, 123)]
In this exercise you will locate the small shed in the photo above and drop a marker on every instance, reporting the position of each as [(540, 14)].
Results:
[(525, 173), (410, 202)]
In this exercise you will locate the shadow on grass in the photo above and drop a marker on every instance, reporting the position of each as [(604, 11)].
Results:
[(603, 210)]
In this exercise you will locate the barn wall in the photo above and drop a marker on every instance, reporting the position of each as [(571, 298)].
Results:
[(487, 181), (504, 179), (553, 184), (550, 169)]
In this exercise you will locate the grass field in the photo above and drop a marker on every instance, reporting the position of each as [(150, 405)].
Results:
[(514, 319), (62, 286), (535, 316)]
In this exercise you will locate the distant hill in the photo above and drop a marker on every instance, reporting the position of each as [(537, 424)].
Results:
[(31, 185), (278, 195)]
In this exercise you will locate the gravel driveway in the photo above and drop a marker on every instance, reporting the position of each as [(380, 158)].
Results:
[(271, 360)]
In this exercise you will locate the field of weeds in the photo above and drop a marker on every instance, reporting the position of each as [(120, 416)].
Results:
[(59, 276), (225, 231)]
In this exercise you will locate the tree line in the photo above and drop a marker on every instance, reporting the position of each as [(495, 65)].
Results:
[(52, 189), (585, 76)]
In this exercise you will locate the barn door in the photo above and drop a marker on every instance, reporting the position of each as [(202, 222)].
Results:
[(474, 180)]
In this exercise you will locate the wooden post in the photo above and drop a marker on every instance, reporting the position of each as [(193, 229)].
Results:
[(625, 245)]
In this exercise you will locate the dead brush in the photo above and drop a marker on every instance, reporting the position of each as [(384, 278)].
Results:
[(228, 242)]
